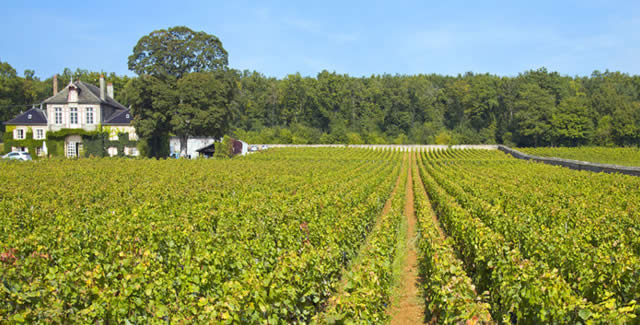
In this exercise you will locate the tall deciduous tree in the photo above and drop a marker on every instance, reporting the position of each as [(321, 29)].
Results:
[(177, 51), (572, 122), (534, 108), (204, 107), (165, 61), (11, 96), (153, 102)]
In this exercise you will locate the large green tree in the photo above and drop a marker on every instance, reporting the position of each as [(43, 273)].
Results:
[(153, 101), (204, 106), (11, 94), (534, 107), (176, 52), (571, 122), (171, 63)]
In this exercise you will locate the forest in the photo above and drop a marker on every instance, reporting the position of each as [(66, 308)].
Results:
[(206, 97)]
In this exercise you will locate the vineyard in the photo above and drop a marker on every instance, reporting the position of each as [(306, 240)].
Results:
[(317, 235), (603, 155)]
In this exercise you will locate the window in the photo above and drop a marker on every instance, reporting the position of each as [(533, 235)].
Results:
[(39, 152), (73, 115), (71, 149), (89, 114), (19, 134), (58, 115), (39, 134)]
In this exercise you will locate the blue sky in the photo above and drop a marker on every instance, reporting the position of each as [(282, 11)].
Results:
[(354, 37)]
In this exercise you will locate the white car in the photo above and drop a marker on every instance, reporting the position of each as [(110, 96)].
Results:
[(264, 147), (17, 155), (253, 148)]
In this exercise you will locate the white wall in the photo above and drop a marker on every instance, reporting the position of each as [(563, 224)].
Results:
[(82, 119), (193, 144)]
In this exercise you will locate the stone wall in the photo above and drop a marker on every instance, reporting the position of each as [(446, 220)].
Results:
[(400, 147), (573, 164)]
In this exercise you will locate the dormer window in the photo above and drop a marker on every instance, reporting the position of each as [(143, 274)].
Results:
[(127, 115), (73, 94), (29, 116)]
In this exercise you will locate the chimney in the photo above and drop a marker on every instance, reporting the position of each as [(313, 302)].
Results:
[(55, 84), (102, 96), (110, 90)]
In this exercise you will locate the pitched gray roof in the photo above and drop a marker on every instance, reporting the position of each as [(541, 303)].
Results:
[(87, 94), (119, 117), (33, 116)]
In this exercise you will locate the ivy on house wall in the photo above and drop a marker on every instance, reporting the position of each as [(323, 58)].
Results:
[(122, 142), (95, 143), (55, 140), (28, 142)]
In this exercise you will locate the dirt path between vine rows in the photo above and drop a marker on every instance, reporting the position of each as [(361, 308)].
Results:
[(409, 307), (385, 210)]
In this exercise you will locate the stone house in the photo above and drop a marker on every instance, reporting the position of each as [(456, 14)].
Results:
[(72, 113)]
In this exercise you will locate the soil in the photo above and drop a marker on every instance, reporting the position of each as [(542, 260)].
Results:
[(409, 307)]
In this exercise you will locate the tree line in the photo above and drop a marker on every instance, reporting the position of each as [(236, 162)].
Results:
[(535, 108), (196, 93)]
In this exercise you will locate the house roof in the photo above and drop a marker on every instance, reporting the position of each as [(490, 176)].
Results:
[(87, 94), (119, 117), (33, 116)]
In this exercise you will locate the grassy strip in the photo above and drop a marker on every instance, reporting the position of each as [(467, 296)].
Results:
[(601, 155), (399, 260), (449, 293), (367, 286)]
